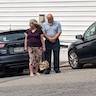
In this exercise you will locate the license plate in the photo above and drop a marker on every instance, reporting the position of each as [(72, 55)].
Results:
[(19, 50)]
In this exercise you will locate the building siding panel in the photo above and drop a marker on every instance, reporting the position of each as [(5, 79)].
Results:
[(75, 15)]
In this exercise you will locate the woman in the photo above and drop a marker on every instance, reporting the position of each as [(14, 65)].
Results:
[(34, 44)]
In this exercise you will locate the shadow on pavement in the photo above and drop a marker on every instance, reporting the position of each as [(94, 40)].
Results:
[(63, 68), (89, 66), (11, 73)]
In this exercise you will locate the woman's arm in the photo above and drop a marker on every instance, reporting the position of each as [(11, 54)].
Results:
[(43, 42), (25, 42)]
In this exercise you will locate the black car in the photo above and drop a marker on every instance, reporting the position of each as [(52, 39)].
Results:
[(12, 54), (83, 51)]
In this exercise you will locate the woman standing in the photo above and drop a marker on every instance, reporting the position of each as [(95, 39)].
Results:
[(34, 44)]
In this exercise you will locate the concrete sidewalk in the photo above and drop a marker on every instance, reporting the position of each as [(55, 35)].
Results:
[(63, 57)]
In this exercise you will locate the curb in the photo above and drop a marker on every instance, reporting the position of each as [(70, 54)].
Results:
[(64, 64)]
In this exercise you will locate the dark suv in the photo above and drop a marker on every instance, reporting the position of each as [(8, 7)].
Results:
[(84, 49), (12, 54)]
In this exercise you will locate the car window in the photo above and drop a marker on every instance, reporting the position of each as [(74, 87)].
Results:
[(11, 37), (90, 33)]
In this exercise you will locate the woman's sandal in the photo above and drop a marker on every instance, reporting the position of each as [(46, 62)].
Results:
[(31, 75), (38, 74)]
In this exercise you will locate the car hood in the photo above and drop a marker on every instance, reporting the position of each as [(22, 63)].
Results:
[(77, 42)]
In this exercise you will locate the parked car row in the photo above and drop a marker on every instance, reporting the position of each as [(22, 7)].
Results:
[(13, 56)]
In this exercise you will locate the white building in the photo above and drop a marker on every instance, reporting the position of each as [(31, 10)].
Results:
[(75, 15)]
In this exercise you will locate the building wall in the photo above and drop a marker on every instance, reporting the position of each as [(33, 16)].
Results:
[(75, 15)]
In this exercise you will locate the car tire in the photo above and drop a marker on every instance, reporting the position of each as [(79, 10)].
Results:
[(20, 71), (3, 72), (74, 60)]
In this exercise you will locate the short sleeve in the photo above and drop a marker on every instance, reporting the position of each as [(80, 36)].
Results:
[(59, 28), (43, 28), (40, 31), (26, 32)]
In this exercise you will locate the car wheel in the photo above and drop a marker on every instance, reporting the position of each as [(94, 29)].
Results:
[(3, 72), (74, 60), (20, 71)]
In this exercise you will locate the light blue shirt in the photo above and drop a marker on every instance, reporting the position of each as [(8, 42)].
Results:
[(51, 29)]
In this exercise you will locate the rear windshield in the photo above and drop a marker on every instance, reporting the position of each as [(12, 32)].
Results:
[(11, 37)]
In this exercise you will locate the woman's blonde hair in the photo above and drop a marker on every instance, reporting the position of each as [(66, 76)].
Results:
[(34, 22)]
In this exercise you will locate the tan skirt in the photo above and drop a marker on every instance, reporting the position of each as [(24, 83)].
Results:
[(35, 55)]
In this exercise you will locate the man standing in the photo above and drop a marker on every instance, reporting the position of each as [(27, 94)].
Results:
[(52, 31)]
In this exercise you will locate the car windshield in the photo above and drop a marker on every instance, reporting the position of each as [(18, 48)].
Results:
[(11, 37)]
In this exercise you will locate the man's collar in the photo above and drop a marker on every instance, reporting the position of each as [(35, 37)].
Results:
[(51, 23)]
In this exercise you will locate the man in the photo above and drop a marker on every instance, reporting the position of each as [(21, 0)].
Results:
[(52, 31)]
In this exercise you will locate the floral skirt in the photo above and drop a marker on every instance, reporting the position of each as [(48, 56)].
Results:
[(35, 55)]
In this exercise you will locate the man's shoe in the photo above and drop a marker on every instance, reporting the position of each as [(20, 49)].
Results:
[(58, 71), (47, 72)]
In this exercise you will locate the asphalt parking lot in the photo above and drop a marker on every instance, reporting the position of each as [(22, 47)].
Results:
[(69, 82)]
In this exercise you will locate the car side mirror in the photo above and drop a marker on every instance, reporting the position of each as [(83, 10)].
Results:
[(79, 37)]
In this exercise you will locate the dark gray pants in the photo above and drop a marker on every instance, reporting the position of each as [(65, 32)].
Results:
[(55, 47)]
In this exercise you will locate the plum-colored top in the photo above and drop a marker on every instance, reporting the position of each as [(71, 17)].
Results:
[(34, 38)]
